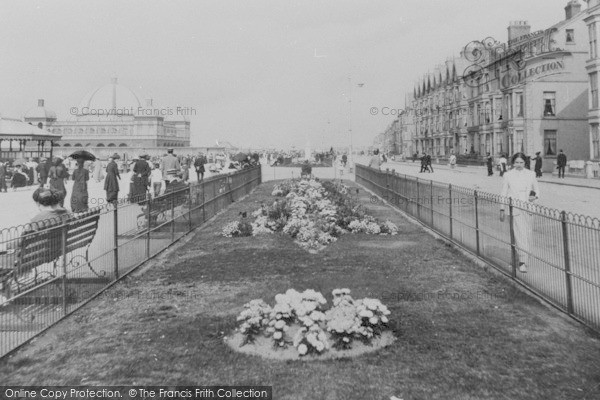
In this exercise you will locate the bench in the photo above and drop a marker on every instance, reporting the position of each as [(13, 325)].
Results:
[(46, 246), (159, 207)]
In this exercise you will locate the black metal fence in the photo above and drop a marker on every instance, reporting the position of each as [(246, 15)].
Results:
[(560, 249), (51, 268)]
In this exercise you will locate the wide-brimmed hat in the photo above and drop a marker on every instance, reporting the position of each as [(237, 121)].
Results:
[(115, 156), (144, 157)]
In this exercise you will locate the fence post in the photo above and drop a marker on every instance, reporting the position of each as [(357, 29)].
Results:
[(476, 221), (148, 218), (565, 233), (431, 200), (173, 194), (418, 201), (64, 265), (450, 209), (116, 240), (190, 209), (512, 238), (203, 202)]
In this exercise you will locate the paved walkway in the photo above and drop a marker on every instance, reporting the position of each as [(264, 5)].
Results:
[(571, 194), (482, 170)]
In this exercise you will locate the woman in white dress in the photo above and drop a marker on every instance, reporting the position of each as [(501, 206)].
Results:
[(520, 184)]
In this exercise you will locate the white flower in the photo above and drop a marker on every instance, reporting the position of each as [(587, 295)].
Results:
[(279, 324), (302, 349), (384, 320), (374, 320), (277, 335)]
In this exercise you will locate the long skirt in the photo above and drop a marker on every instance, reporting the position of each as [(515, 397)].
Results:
[(522, 229), (79, 197)]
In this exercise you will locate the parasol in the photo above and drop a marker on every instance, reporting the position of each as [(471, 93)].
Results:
[(19, 161), (86, 155)]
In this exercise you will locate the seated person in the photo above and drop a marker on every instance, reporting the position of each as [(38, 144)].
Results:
[(51, 214), (176, 184)]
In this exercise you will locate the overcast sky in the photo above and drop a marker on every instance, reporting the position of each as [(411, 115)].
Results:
[(257, 73)]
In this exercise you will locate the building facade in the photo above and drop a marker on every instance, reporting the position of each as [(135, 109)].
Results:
[(527, 94), (115, 116)]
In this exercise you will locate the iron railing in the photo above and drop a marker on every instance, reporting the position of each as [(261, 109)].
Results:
[(561, 249), (48, 270)]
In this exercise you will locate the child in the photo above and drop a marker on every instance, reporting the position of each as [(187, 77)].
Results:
[(156, 179)]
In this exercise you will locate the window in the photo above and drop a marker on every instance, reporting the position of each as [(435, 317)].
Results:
[(570, 36), (549, 104), (549, 143), (595, 142), (519, 104), (518, 141), (593, 42), (594, 89)]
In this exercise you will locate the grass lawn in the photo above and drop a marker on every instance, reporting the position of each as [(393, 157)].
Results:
[(463, 332)]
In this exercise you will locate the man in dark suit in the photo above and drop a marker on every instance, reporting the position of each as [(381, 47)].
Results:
[(538, 165), (561, 163)]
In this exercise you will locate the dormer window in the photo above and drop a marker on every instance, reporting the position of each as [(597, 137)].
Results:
[(570, 36)]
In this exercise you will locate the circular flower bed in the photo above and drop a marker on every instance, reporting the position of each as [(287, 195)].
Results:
[(298, 325), (313, 213)]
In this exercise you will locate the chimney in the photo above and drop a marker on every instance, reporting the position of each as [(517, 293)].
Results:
[(573, 8), (40, 102), (517, 29)]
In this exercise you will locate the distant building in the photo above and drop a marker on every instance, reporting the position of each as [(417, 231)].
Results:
[(529, 94), (115, 116)]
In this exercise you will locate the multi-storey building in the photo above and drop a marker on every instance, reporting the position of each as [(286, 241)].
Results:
[(529, 94), (593, 68)]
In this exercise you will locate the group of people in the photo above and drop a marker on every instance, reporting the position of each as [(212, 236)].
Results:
[(426, 163), (561, 163), (150, 176)]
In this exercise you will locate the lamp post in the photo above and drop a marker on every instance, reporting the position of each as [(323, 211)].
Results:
[(351, 147)]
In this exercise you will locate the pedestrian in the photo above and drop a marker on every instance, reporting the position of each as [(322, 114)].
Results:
[(111, 182), (19, 177), (538, 165), (98, 171), (3, 177), (185, 169), (428, 163), (139, 179), (561, 163), (79, 196), (375, 161), (502, 164), (520, 184), (58, 174), (490, 163), (170, 167), (156, 179), (452, 161), (31, 171), (43, 169), (423, 162), (199, 167)]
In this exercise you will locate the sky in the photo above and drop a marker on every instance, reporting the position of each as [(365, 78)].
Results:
[(262, 73)]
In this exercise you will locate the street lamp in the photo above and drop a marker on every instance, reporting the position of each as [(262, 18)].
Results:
[(351, 147)]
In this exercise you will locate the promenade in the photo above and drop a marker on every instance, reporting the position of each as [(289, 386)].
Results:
[(570, 194)]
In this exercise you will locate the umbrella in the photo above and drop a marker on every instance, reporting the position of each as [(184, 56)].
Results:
[(86, 155), (240, 157), (19, 161)]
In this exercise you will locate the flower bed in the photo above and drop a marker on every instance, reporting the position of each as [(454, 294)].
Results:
[(313, 213), (298, 325)]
